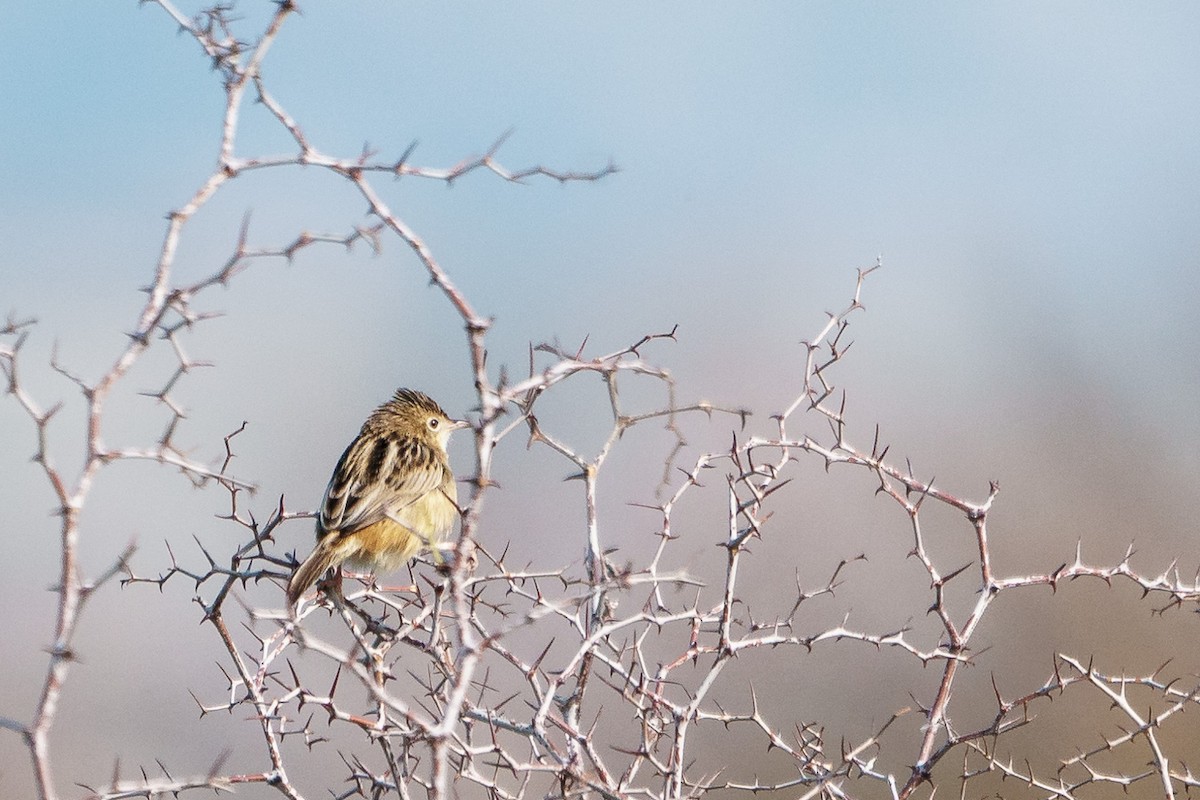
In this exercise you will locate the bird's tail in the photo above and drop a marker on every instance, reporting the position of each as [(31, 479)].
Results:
[(324, 556)]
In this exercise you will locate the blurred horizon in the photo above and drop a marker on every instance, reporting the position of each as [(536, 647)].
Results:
[(1028, 175)]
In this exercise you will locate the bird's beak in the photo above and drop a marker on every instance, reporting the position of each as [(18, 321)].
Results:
[(459, 424)]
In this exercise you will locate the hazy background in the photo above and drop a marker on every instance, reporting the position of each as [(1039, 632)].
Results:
[(1029, 175)]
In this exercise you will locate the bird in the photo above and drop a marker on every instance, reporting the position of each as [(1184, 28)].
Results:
[(392, 492)]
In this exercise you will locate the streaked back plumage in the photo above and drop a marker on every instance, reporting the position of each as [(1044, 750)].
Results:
[(391, 493)]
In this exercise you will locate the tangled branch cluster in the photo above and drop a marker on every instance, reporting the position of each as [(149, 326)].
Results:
[(496, 679)]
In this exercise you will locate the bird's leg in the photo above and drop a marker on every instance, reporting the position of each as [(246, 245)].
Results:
[(472, 561), (331, 585)]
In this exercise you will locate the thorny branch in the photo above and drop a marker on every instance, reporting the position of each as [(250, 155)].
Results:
[(166, 315), (527, 680)]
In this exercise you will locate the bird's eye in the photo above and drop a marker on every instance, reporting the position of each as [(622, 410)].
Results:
[(433, 423)]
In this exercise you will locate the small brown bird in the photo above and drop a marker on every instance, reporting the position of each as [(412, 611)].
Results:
[(391, 494)]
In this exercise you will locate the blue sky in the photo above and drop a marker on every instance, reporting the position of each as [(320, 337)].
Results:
[(1004, 153), (1028, 172)]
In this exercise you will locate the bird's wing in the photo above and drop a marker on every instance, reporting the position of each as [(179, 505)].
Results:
[(377, 477)]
